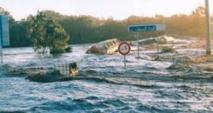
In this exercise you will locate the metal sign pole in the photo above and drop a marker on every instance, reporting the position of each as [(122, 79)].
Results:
[(138, 50), (1, 50), (124, 61), (1, 41), (138, 46), (158, 47)]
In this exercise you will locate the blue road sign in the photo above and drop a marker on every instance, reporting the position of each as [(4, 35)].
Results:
[(4, 30), (146, 27)]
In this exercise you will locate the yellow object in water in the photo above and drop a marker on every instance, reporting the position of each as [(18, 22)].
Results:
[(73, 72), (73, 69)]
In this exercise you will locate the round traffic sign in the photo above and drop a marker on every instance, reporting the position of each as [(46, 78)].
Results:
[(124, 48)]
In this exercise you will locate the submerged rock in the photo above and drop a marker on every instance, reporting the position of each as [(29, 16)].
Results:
[(181, 63), (105, 47), (4, 69), (179, 67), (167, 49), (147, 57)]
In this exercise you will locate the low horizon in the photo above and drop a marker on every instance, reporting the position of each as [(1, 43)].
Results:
[(108, 8)]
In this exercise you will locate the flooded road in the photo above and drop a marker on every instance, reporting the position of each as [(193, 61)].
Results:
[(145, 86)]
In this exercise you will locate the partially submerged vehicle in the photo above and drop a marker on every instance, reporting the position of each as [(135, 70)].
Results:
[(47, 74), (59, 73), (105, 47)]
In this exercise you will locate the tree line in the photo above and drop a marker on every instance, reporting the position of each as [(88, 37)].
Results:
[(89, 29)]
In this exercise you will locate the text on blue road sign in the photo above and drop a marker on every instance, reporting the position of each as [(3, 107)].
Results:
[(146, 27)]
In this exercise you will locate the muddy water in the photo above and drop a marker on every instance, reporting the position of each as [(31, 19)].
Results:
[(145, 86)]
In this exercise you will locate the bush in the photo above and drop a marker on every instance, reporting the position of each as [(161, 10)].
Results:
[(57, 51), (68, 49)]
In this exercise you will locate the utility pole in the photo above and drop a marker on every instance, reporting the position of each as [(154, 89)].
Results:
[(208, 34)]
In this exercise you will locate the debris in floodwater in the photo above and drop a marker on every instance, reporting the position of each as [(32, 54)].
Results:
[(175, 79), (167, 49), (47, 77), (105, 47), (181, 63), (55, 74)]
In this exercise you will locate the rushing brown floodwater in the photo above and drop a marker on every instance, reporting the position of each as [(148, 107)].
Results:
[(145, 86)]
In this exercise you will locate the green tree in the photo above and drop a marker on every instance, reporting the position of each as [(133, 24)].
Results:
[(18, 34), (47, 34)]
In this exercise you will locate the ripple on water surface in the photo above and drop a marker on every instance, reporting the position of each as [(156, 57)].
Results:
[(143, 87)]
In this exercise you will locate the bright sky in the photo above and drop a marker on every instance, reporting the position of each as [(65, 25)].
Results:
[(118, 9)]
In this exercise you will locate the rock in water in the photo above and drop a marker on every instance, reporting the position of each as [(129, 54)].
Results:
[(181, 63), (167, 49)]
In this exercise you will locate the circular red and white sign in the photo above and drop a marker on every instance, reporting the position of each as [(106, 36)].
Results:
[(124, 48)]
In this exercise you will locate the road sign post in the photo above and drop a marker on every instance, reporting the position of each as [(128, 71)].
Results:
[(124, 49), (1, 52), (138, 48), (124, 61), (145, 28), (137, 36)]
